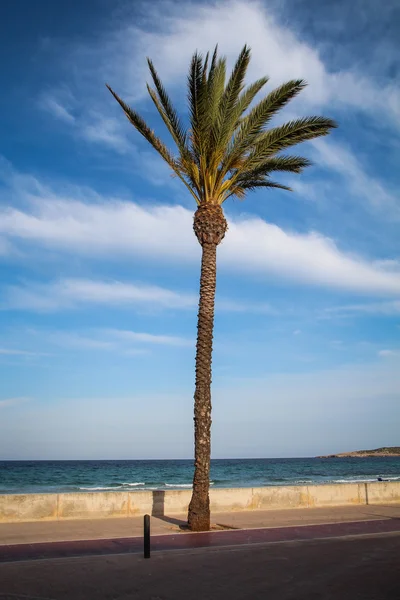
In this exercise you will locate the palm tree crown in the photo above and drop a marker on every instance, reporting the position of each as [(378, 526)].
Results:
[(227, 149)]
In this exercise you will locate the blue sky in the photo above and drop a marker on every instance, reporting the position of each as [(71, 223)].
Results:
[(99, 265)]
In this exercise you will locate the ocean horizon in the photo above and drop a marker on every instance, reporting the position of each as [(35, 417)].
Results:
[(62, 476)]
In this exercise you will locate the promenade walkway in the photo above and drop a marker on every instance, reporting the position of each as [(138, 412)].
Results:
[(54, 539)]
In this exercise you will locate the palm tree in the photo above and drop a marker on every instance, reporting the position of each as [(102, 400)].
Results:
[(226, 151)]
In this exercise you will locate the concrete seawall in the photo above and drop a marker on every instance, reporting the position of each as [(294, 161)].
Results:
[(50, 507)]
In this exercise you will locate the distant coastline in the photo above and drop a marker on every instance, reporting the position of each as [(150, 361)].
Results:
[(387, 452)]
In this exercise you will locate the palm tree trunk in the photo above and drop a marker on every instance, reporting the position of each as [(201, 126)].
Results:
[(210, 227), (199, 508)]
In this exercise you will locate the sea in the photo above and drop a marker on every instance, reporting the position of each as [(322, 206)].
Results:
[(50, 476)]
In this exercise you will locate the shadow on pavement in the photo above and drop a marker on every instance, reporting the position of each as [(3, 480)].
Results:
[(158, 510)]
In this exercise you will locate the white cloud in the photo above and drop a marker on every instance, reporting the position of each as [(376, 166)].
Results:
[(119, 55), (116, 228), (254, 245), (111, 226)]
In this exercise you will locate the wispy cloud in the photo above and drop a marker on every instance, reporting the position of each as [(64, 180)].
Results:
[(57, 110), (390, 308), (389, 353), (13, 401), (248, 307), (106, 130), (339, 158), (15, 352), (148, 338), (67, 339), (68, 294), (59, 103), (5, 247), (123, 341), (71, 293)]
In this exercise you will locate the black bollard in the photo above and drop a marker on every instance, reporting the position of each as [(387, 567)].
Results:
[(146, 538)]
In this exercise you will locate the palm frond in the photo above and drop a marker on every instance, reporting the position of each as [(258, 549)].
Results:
[(227, 116), (248, 95), (252, 185), (288, 164), (290, 134), (142, 127), (240, 190), (138, 122), (254, 123), (213, 63), (261, 172), (168, 114), (197, 105), (194, 82), (216, 87), (205, 69), (235, 83)]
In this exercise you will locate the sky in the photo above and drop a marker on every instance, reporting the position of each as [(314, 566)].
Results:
[(100, 267)]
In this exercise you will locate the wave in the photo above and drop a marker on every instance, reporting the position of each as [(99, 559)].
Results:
[(99, 488), (145, 488), (178, 485), (182, 485), (364, 480), (301, 481), (134, 484), (114, 486)]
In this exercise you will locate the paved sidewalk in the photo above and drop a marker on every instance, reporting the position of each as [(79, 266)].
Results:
[(94, 529), (364, 568), (191, 541)]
